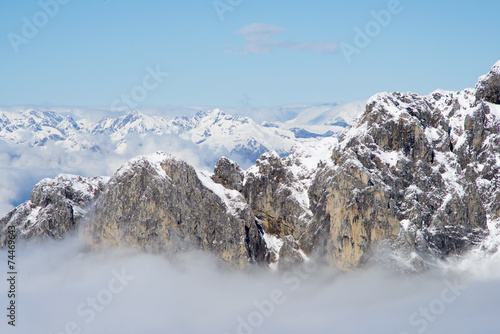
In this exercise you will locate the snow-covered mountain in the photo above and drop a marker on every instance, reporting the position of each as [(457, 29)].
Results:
[(37, 127), (240, 137), (36, 143), (413, 181)]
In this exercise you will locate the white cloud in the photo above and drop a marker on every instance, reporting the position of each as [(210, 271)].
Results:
[(193, 293), (22, 166), (260, 38)]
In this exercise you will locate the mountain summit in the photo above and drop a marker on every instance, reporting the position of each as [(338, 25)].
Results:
[(488, 86)]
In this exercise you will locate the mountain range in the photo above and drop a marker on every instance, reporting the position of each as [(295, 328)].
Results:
[(239, 137), (414, 180)]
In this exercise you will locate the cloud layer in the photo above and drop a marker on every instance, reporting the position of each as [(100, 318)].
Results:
[(260, 38), (122, 291), (22, 166)]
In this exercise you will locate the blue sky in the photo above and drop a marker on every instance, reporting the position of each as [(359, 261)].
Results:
[(248, 53)]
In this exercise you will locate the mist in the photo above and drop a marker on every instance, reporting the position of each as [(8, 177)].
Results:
[(22, 166), (65, 288)]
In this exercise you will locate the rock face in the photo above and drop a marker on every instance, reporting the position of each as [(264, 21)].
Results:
[(268, 190), (229, 174), (55, 207), (159, 204), (419, 174), (411, 168), (413, 179), (488, 86), (290, 255)]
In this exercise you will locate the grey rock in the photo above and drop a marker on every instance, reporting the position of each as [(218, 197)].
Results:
[(488, 86), (162, 206), (55, 208), (268, 191), (409, 160), (229, 174), (290, 254)]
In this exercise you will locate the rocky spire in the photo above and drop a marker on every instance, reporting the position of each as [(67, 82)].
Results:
[(488, 86)]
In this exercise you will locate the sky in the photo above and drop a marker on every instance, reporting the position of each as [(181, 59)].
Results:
[(239, 53)]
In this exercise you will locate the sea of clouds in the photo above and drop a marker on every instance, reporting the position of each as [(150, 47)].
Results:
[(63, 287)]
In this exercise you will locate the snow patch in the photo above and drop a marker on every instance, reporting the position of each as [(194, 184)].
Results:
[(154, 159), (274, 245), (405, 224), (390, 158), (232, 199)]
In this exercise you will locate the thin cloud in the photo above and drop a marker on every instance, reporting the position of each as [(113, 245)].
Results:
[(260, 38)]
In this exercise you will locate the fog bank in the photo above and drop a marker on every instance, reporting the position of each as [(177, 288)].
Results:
[(64, 288)]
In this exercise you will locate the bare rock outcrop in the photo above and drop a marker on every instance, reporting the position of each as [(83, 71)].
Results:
[(419, 173), (55, 208), (229, 174), (159, 204)]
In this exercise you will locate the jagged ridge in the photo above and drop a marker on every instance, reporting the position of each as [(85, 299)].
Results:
[(415, 178)]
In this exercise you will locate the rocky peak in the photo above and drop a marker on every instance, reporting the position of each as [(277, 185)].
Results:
[(160, 204), (229, 174), (271, 165), (488, 86), (422, 160), (55, 208), (278, 198)]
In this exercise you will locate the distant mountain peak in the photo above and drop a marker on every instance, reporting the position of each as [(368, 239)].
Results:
[(210, 113)]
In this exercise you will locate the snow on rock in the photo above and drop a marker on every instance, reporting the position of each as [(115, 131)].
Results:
[(55, 208), (431, 160), (273, 245), (218, 132), (154, 160), (417, 176), (234, 200)]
